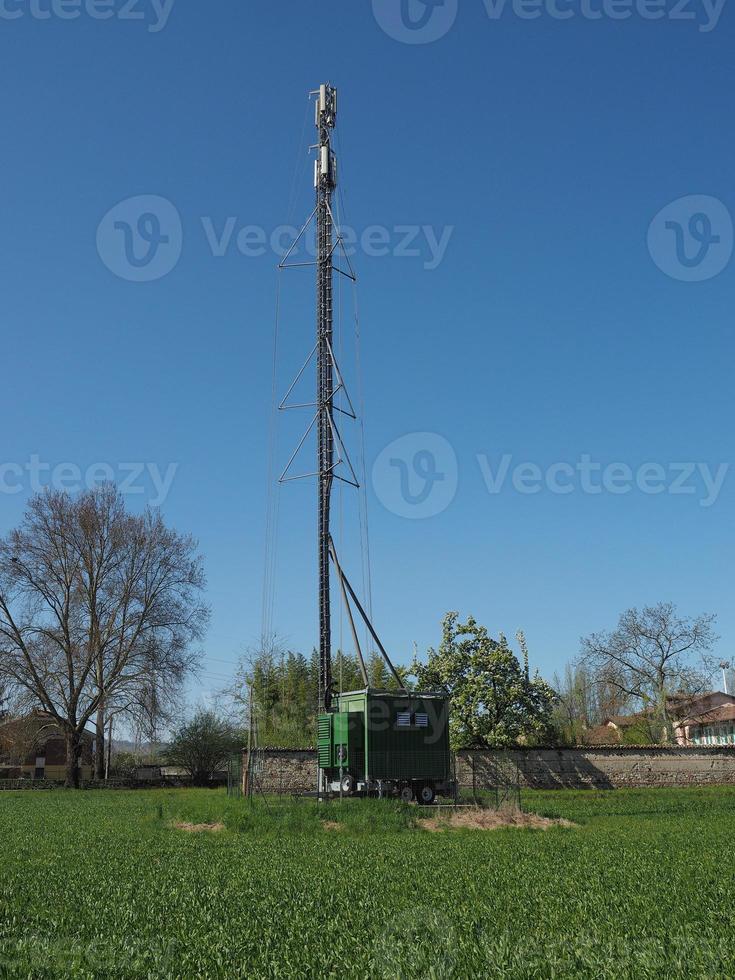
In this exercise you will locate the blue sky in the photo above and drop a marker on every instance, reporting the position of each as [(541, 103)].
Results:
[(553, 328)]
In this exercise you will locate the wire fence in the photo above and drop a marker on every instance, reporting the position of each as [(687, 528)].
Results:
[(495, 784)]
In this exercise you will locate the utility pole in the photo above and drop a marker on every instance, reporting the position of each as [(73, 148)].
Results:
[(246, 787), (724, 667), (108, 754), (325, 173)]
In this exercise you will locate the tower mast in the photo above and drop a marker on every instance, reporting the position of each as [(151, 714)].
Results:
[(333, 461), (325, 181)]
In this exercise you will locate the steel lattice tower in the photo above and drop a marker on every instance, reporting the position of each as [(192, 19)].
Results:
[(325, 174), (333, 461)]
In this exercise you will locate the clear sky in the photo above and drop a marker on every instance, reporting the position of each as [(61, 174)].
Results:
[(553, 314)]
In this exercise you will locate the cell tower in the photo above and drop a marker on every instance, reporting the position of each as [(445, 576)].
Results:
[(325, 179), (333, 461)]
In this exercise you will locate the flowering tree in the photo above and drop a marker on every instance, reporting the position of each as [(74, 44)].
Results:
[(494, 701)]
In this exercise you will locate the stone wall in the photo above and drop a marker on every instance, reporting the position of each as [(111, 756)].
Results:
[(601, 767), (288, 770)]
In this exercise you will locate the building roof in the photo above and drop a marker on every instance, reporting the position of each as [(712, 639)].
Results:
[(723, 712), (602, 735), (384, 692), (42, 719), (687, 709), (627, 721), (686, 705)]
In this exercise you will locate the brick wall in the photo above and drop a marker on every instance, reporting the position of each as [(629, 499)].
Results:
[(602, 767)]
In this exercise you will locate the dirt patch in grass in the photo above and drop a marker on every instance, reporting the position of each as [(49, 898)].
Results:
[(479, 819), (199, 828), (332, 825)]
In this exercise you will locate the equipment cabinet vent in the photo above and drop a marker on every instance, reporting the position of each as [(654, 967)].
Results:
[(324, 741)]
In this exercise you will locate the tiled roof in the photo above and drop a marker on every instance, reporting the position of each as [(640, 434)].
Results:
[(725, 712)]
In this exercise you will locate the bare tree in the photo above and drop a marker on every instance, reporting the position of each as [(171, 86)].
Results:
[(158, 703), (585, 700), (574, 708), (610, 695), (88, 595), (4, 698), (653, 655)]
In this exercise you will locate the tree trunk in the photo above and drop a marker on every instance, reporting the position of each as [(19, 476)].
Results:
[(99, 746), (73, 755)]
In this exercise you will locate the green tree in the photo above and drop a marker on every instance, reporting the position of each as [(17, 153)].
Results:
[(494, 701), (380, 675), (346, 672), (285, 693), (201, 746), (284, 686)]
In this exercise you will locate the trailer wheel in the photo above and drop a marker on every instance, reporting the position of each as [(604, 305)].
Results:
[(426, 794), (347, 784), (406, 794)]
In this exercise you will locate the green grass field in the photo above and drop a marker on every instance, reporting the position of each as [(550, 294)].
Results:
[(98, 884)]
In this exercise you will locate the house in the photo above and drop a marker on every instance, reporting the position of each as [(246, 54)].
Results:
[(706, 720), (33, 747), (632, 729)]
